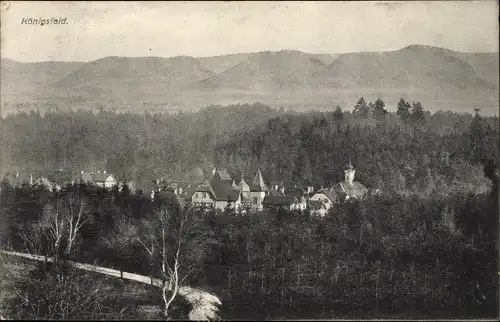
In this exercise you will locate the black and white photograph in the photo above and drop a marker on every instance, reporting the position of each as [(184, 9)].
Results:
[(249, 160)]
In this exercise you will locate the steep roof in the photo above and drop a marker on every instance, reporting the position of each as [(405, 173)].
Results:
[(354, 190), (330, 194), (222, 175), (278, 201), (223, 191), (243, 186), (258, 183)]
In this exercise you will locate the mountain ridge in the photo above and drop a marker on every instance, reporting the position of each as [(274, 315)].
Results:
[(285, 77)]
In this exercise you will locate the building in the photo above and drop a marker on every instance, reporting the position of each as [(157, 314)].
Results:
[(101, 179), (52, 180), (258, 191), (219, 192), (326, 196), (46, 184), (104, 180), (244, 188), (276, 203), (183, 189), (349, 189)]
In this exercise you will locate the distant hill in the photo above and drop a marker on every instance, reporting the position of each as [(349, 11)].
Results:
[(25, 77), (219, 64), (432, 70), (484, 64), (269, 72), (133, 77), (438, 77)]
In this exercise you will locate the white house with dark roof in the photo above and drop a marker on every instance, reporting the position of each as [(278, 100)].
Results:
[(219, 192), (326, 196), (104, 179), (101, 179)]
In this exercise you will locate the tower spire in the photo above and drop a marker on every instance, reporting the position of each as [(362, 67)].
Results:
[(349, 165)]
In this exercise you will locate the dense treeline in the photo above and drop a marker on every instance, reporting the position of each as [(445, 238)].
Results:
[(132, 146), (433, 258), (403, 152), (383, 256)]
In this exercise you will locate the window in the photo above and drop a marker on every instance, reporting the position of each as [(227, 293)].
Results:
[(196, 195), (204, 195), (255, 200)]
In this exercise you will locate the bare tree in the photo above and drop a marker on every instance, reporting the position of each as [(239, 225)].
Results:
[(75, 216), (59, 224), (175, 240)]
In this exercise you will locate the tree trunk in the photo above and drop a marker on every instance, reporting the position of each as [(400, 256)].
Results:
[(376, 288), (262, 278)]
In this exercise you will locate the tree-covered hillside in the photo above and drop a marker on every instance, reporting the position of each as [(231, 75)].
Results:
[(408, 151)]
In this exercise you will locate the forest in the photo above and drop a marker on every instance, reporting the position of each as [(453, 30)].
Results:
[(425, 248), (409, 151)]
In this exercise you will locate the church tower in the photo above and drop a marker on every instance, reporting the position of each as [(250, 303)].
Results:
[(349, 173)]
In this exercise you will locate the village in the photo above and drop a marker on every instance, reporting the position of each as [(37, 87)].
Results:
[(219, 192)]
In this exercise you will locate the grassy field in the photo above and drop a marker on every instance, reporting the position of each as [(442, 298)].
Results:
[(140, 300)]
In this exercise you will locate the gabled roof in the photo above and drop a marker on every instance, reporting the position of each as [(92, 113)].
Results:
[(258, 183), (330, 194), (278, 201), (222, 175), (354, 190), (223, 191), (46, 183), (101, 177), (243, 186)]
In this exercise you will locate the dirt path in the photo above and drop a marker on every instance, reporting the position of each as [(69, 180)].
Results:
[(204, 305)]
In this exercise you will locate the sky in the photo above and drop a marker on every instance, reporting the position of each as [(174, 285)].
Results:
[(99, 28)]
